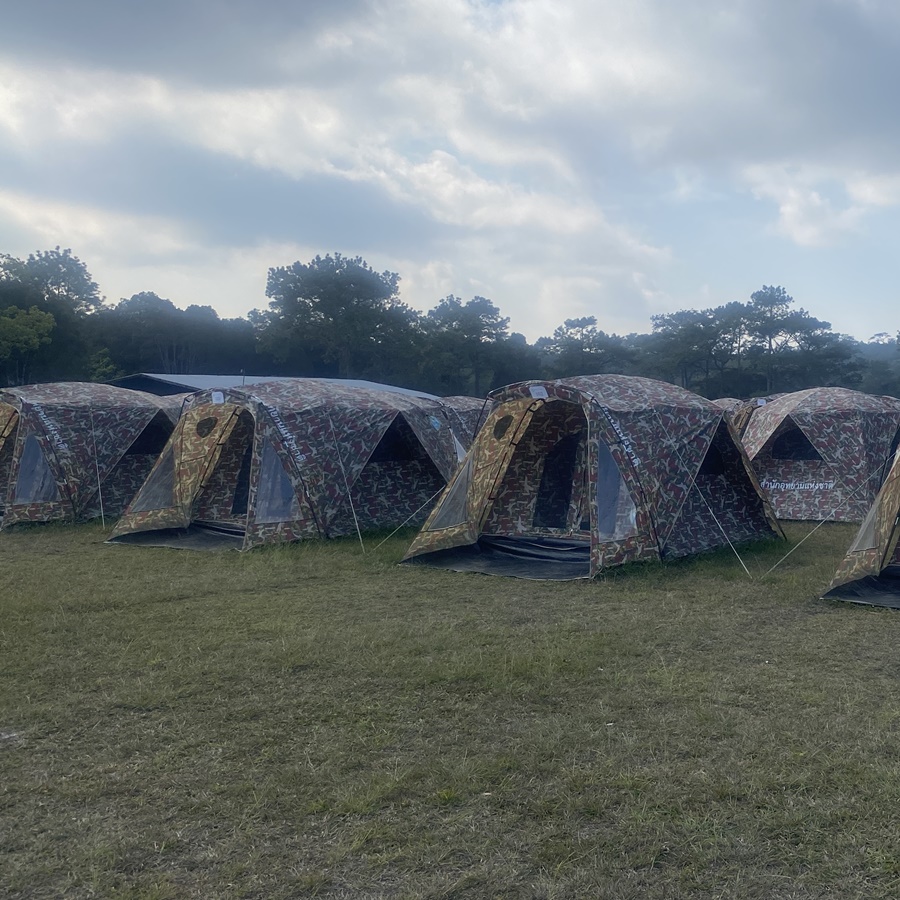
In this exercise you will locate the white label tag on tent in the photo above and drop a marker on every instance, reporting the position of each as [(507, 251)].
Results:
[(218, 397), (539, 392)]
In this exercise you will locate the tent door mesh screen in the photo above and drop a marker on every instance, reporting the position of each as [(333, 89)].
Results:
[(454, 507), (616, 514), (158, 491), (866, 538), (276, 500), (35, 482), (888, 462)]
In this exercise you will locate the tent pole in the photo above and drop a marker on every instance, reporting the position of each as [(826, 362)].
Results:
[(97, 465), (346, 484)]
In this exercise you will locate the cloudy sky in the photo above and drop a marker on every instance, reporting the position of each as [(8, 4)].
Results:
[(562, 157)]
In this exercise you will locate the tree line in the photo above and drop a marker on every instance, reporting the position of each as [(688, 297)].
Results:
[(335, 316)]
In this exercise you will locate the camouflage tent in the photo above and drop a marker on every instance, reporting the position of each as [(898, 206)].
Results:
[(822, 453), (731, 406), (568, 477), (870, 572), (291, 459), (742, 411), (68, 450), (467, 415)]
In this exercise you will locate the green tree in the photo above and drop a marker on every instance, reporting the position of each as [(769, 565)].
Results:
[(58, 283), (683, 347), (464, 345), (148, 333), (63, 280), (578, 347), (103, 367), (778, 333), (22, 333), (334, 312)]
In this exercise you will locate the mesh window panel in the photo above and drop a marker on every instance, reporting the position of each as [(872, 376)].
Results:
[(158, 491), (865, 537), (35, 482), (454, 508), (276, 500), (615, 508)]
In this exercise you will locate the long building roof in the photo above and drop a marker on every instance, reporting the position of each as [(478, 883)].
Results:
[(169, 382)]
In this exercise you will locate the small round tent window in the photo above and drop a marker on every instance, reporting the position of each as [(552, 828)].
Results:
[(502, 427), (205, 426)]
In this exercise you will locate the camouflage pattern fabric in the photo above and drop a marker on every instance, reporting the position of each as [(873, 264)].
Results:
[(297, 458), (847, 438), (9, 419), (467, 415), (68, 443), (638, 459), (876, 544), (741, 414)]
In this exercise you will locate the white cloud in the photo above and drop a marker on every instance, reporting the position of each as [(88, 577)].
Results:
[(537, 138), (128, 254), (874, 190), (806, 215)]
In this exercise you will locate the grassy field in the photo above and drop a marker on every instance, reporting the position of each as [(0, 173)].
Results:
[(309, 721)]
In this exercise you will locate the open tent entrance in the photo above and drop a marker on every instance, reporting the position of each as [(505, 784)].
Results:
[(881, 588), (396, 484), (222, 502), (543, 491), (790, 443), (539, 524), (213, 446)]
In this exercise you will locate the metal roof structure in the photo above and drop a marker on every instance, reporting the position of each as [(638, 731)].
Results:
[(163, 383)]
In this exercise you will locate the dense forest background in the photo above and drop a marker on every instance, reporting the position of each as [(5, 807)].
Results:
[(337, 317)]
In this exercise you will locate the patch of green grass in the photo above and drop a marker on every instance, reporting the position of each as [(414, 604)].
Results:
[(311, 721)]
